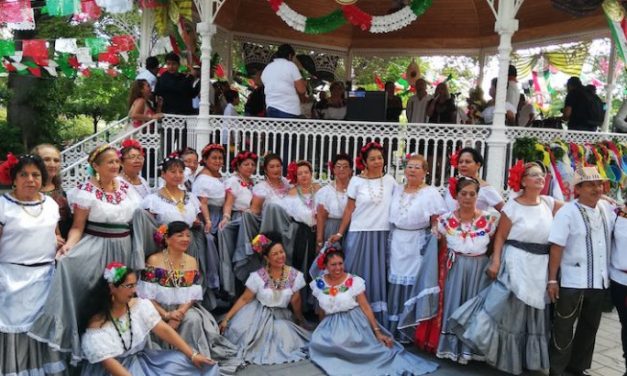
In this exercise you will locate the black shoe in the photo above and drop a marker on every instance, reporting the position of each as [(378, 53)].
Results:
[(577, 373)]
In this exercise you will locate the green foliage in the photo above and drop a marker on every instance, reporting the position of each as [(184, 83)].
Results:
[(99, 96), (525, 149)]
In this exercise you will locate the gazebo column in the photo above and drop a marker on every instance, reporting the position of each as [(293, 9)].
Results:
[(199, 135), (481, 62), (348, 67), (229, 56), (506, 25), (609, 88), (145, 39)]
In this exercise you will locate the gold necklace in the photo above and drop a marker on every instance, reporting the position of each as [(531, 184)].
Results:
[(131, 180), (173, 274), (180, 204)]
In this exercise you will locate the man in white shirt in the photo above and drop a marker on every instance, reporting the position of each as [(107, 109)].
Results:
[(283, 85), (417, 104), (149, 73), (581, 241)]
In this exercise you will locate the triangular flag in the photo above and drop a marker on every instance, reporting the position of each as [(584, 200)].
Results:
[(96, 45), (66, 45), (35, 71), (36, 49), (51, 71), (7, 48)]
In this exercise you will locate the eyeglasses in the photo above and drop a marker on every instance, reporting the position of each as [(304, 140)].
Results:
[(414, 167), (129, 285), (137, 157), (342, 166)]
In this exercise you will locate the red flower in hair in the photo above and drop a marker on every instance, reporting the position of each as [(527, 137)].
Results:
[(452, 186), (330, 165), (359, 164), (292, 169), (320, 261), (454, 159), (130, 143), (515, 175), (174, 154), (5, 169)]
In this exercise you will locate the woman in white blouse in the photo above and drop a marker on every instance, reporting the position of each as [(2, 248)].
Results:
[(132, 158), (209, 186), (232, 235), (260, 322), (349, 340), (331, 199), (414, 210)]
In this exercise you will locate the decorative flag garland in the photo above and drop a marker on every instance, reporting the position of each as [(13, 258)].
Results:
[(615, 14), (350, 14)]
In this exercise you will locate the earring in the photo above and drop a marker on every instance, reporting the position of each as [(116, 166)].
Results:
[(98, 177)]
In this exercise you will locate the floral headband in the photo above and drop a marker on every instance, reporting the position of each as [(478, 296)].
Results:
[(452, 183), (515, 175), (172, 157), (260, 242), (322, 257), (5, 168), (359, 161), (130, 143), (242, 156), (405, 160), (99, 150), (160, 234), (211, 147), (114, 272)]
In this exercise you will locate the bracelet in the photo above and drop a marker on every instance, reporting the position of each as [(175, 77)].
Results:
[(320, 244), (339, 234), (194, 354), (377, 329), (552, 282), (227, 216)]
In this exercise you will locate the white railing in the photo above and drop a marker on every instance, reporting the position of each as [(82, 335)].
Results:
[(75, 152), (319, 140), (157, 140)]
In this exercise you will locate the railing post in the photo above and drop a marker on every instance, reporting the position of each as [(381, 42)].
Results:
[(505, 26), (200, 131)]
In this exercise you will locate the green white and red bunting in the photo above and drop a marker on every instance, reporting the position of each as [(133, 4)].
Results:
[(350, 14), (615, 14)]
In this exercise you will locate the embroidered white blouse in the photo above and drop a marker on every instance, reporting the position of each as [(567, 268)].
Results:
[(468, 238), (342, 298), (260, 283), (300, 209), (165, 210), (332, 201), (270, 194), (243, 195), (211, 188), (105, 207)]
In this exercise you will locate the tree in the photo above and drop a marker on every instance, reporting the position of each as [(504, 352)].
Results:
[(100, 97)]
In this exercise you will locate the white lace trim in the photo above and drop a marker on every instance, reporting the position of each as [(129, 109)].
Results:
[(168, 295)]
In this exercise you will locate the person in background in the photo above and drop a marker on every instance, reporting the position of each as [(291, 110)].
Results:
[(256, 102), (417, 104), (488, 112), (192, 166), (618, 273), (442, 108), (132, 159), (476, 105), (283, 85), (526, 113), (620, 120), (149, 72), (513, 91), (232, 100), (598, 102), (395, 104), (140, 108), (196, 86), (335, 108), (579, 108), (176, 89)]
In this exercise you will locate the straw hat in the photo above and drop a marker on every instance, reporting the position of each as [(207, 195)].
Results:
[(587, 174)]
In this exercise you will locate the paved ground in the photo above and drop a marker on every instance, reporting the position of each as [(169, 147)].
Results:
[(608, 359)]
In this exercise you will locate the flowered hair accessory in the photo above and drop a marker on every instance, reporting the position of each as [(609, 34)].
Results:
[(241, 157), (292, 170), (171, 157), (452, 186), (160, 234), (368, 146), (260, 242), (211, 147), (174, 154), (114, 272), (322, 256), (454, 158), (359, 164), (99, 150), (131, 143), (405, 159), (5, 168), (515, 175)]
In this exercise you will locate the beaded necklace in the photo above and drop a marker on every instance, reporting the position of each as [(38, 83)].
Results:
[(405, 199), (375, 197), (279, 191), (121, 330), (339, 195), (173, 274)]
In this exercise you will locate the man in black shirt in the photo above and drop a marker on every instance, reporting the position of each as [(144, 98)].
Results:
[(176, 89), (580, 110)]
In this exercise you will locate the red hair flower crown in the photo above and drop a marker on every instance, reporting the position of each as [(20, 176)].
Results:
[(322, 256), (160, 234), (515, 175), (114, 272), (259, 242), (5, 169), (209, 148), (131, 143), (242, 156), (359, 161)]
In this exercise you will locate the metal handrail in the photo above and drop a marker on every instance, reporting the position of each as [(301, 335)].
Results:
[(95, 135)]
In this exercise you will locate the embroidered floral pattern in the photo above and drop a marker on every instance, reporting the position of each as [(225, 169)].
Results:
[(480, 227), (114, 198), (334, 290), (267, 280), (163, 278)]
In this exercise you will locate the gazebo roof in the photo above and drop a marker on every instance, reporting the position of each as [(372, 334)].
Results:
[(448, 25)]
